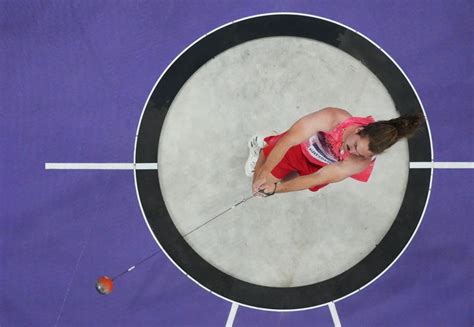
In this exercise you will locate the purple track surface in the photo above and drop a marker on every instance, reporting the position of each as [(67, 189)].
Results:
[(73, 81)]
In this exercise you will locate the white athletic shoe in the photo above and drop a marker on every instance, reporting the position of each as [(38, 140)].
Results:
[(255, 144)]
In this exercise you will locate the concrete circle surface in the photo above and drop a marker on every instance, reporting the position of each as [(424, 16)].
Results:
[(291, 239)]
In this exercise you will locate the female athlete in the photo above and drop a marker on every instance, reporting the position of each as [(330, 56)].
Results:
[(323, 147)]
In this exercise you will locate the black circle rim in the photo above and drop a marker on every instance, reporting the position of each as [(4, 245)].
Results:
[(161, 224)]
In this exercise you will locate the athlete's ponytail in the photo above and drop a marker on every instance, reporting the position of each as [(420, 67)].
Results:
[(385, 133)]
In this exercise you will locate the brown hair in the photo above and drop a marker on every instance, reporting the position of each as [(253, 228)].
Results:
[(385, 133)]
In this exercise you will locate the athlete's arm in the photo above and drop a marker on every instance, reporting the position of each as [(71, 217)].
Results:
[(332, 173), (321, 121)]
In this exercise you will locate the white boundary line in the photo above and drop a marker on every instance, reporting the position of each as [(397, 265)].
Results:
[(270, 14), (442, 165), (154, 166), (334, 315), (232, 313), (109, 166)]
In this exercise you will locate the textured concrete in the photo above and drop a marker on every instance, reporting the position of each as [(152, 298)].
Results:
[(289, 239)]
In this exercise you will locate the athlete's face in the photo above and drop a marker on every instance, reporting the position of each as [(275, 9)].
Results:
[(357, 145)]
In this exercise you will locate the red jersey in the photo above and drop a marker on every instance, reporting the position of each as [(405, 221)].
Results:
[(324, 148)]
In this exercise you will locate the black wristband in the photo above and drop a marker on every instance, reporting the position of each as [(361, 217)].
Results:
[(274, 190), (269, 194)]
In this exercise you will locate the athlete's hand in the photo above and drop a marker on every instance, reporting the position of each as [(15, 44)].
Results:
[(267, 189), (259, 180)]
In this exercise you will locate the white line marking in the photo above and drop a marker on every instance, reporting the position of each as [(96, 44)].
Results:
[(334, 315), (154, 165), (232, 313), (101, 166), (442, 165)]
